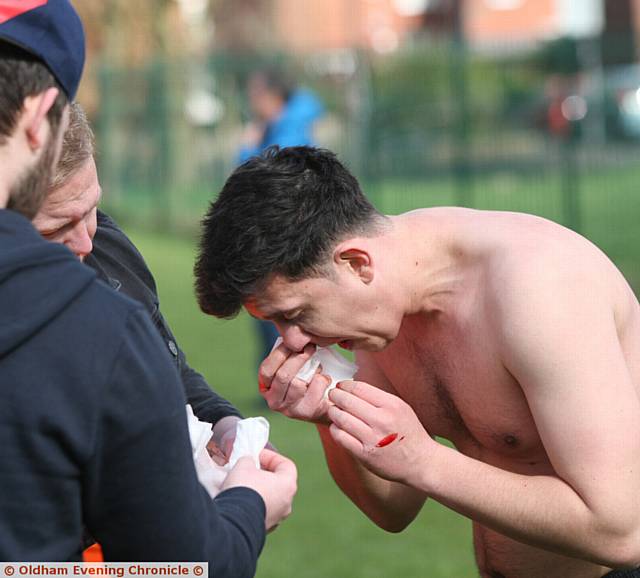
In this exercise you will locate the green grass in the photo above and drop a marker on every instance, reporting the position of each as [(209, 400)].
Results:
[(326, 536)]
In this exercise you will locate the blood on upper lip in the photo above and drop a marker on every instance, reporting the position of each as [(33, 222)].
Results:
[(385, 441)]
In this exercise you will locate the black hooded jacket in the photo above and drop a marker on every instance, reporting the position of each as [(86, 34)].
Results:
[(118, 263), (92, 426)]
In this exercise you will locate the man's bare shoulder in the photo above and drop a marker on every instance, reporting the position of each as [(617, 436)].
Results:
[(539, 256), (549, 277)]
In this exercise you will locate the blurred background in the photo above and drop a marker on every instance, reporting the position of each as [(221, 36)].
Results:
[(526, 105)]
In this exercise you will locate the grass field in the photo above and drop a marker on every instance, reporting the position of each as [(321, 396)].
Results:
[(327, 537)]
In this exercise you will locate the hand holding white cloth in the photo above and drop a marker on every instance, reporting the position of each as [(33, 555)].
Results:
[(252, 435), (333, 365)]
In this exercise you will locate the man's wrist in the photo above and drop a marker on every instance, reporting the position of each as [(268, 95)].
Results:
[(426, 476), (321, 420)]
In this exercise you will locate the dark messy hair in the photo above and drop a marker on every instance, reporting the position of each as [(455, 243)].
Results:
[(280, 213), (22, 75)]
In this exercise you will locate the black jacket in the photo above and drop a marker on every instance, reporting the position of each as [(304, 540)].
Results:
[(117, 262), (92, 426)]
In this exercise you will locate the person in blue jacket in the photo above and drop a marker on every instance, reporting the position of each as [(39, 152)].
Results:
[(283, 115)]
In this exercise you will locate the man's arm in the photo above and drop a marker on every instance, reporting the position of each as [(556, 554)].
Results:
[(207, 404), (142, 497), (115, 255), (560, 342), (391, 505)]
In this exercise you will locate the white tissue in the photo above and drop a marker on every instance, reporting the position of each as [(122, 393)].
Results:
[(252, 435), (333, 364)]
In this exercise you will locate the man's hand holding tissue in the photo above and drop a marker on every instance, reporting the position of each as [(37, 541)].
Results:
[(288, 394), (276, 482), (224, 434)]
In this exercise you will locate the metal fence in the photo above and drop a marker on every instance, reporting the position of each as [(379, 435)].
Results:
[(434, 124)]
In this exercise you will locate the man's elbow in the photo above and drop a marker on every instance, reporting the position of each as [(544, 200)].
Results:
[(624, 556), (392, 522), (621, 550), (392, 526)]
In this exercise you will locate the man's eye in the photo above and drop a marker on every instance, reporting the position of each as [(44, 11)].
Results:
[(293, 315)]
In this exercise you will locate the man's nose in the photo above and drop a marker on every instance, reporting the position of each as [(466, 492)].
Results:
[(293, 337), (79, 241)]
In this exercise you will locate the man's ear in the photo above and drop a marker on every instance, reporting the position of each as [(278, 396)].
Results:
[(36, 109), (357, 259)]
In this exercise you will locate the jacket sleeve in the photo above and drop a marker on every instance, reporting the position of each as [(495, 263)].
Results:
[(114, 251), (143, 499), (207, 404)]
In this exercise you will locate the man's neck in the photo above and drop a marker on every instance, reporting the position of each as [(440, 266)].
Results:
[(8, 171), (432, 270)]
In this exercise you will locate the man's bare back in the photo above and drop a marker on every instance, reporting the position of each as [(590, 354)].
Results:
[(447, 366)]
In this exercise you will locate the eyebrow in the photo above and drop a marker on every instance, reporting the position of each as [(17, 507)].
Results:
[(284, 313), (59, 222), (274, 314), (63, 221), (264, 316), (53, 224)]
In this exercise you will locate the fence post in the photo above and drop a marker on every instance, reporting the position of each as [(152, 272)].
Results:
[(461, 165), (105, 127), (159, 118), (571, 206)]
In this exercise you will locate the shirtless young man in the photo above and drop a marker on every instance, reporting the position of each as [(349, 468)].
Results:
[(511, 336)]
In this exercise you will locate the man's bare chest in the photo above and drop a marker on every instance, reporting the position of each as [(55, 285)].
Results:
[(456, 383)]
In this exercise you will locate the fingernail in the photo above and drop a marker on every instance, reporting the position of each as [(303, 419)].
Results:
[(261, 386)]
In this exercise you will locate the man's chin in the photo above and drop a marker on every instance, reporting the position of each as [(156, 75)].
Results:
[(378, 346), (372, 345)]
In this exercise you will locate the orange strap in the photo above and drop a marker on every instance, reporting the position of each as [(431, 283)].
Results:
[(93, 554)]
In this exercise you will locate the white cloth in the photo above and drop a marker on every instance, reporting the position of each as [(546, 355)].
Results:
[(252, 435), (333, 364)]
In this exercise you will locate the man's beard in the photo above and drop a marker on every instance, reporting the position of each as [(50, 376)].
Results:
[(29, 191)]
